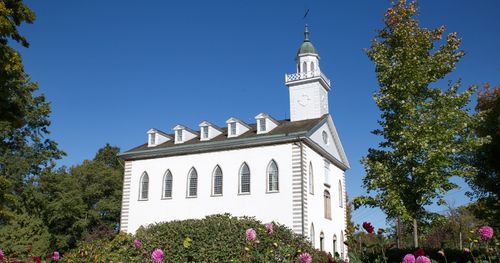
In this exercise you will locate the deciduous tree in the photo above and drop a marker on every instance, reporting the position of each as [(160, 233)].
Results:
[(427, 132)]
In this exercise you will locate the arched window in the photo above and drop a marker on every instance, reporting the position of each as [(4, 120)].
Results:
[(322, 241), (341, 198), (167, 185), (312, 66), (328, 205), (217, 181), (334, 245), (244, 179), (144, 187), (312, 234), (192, 183), (304, 67), (272, 177), (342, 243), (311, 178)]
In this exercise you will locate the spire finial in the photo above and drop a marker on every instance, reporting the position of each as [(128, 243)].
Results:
[(306, 34)]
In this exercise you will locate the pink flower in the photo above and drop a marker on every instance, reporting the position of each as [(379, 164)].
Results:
[(305, 258), (1, 254), (157, 255), (423, 259), (250, 234), (485, 232), (269, 228), (55, 256), (409, 258), (137, 243)]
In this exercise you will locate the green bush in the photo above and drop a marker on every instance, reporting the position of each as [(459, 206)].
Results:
[(217, 238)]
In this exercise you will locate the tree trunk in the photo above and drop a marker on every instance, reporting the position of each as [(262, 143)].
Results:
[(415, 233)]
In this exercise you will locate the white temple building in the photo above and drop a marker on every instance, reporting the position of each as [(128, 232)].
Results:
[(287, 171)]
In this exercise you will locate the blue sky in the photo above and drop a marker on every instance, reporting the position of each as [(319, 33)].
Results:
[(113, 69)]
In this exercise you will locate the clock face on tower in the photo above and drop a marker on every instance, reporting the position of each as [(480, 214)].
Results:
[(303, 100)]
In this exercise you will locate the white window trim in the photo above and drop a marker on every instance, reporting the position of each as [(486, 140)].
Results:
[(240, 175), (268, 190), (164, 183), (188, 190), (141, 180), (213, 181)]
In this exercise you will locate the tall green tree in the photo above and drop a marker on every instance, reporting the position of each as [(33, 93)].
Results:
[(486, 183), (25, 150), (84, 201), (427, 132)]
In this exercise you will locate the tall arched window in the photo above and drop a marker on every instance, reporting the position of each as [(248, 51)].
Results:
[(192, 183), (244, 179), (341, 198), (144, 186), (304, 67), (342, 243), (328, 205), (312, 66), (272, 177), (334, 245), (217, 181), (312, 234), (322, 241), (311, 178), (167, 185)]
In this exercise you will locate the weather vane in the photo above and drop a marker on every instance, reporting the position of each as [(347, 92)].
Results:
[(305, 15)]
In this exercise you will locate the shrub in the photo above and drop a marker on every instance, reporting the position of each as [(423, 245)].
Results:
[(217, 238)]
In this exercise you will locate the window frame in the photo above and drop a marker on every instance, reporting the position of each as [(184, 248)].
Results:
[(327, 204), (311, 178), (233, 129), (205, 132), (240, 181), (312, 235), (144, 175), (268, 177), (217, 167), (152, 139), (190, 177), (262, 125), (179, 135), (164, 185), (322, 241)]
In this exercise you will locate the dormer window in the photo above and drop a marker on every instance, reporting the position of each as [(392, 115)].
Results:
[(179, 136), (204, 132), (235, 127), (184, 134), (156, 137), (232, 127), (262, 125), (208, 131), (152, 139), (265, 123)]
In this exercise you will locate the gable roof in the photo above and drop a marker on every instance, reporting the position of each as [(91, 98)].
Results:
[(286, 131)]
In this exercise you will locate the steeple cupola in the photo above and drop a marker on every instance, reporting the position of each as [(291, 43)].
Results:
[(308, 86)]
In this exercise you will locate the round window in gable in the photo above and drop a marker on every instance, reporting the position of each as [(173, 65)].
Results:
[(325, 137)]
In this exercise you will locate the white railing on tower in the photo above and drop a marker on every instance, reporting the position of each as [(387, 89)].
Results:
[(306, 75)]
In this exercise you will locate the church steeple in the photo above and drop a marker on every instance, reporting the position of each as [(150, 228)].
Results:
[(308, 86)]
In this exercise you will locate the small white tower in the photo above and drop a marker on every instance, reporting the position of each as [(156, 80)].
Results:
[(308, 87)]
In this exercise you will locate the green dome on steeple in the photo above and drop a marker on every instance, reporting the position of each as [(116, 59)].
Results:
[(307, 46)]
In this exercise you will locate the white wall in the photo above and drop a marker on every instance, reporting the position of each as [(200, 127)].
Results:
[(264, 206), (315, 209), (308, 101)]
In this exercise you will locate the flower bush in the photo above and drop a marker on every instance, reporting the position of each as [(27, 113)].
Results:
[(217, 238)]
